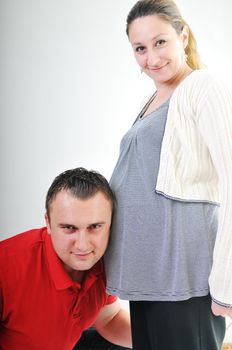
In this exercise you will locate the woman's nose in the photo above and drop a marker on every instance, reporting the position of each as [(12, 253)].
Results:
[(152, 58)]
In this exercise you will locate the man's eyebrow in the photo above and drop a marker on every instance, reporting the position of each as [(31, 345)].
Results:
[(66, 224), (97, 223), (62, 224)]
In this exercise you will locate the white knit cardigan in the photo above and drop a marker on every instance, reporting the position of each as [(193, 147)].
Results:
[(196, 162)]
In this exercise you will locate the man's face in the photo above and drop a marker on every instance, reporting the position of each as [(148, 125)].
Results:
[(79, 230)]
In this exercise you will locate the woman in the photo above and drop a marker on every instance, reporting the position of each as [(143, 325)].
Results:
[(170, 253)]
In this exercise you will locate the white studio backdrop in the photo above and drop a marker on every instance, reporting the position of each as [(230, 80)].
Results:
[(70, 88)]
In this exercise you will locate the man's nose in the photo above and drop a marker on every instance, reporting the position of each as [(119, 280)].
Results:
[(81, 242)]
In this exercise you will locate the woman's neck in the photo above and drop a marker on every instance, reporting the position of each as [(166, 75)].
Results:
[(165, 90)]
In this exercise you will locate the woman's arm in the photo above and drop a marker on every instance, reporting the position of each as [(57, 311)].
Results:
[(215, 124)]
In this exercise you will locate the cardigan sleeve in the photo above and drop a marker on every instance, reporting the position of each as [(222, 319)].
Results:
[(215, 124)]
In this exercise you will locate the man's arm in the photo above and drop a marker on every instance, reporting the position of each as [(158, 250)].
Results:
[(113, 323)]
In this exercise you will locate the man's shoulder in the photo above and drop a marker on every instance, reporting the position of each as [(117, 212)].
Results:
[(19, 256), (22, 242)]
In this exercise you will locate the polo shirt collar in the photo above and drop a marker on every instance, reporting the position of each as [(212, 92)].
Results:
[(59, 275)]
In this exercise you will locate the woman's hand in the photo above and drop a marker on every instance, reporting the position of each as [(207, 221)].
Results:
[(219, 310)]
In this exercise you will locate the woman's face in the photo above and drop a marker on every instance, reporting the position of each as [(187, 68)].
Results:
[(158, 48)]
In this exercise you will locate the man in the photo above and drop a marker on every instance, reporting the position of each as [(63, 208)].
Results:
[(52, 280)]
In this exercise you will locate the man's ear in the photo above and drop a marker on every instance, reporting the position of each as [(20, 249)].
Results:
[(47, 223)]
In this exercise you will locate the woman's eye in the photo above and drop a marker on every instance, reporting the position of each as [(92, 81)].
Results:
[(140, 49), (160, 42)]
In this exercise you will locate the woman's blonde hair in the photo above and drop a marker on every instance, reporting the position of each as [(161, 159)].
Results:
[(168, 11)]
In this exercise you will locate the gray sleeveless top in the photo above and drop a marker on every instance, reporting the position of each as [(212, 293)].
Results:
[(160, 248)]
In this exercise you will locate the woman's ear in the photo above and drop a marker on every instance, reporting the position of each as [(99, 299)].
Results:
[(185, 36)]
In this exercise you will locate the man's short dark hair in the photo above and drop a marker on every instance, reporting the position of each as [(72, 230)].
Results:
[(81, 183)]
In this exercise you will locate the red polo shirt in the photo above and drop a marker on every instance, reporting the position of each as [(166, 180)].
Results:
[(41, 307)]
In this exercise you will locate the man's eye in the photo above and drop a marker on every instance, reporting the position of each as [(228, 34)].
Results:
[(69, 228), (95, 226)]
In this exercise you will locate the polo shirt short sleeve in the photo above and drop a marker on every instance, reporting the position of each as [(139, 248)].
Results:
[(41, 307)]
